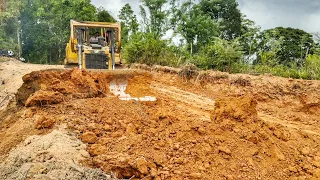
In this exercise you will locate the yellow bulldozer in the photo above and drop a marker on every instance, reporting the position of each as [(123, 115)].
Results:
[(94, 45)]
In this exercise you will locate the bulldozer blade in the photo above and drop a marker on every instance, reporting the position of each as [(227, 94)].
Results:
[(122, 82)]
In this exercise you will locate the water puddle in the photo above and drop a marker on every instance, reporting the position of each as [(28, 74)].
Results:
[(118, 88)]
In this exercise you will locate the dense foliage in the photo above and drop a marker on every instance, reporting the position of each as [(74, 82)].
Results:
[(211, 34), (40, 29)]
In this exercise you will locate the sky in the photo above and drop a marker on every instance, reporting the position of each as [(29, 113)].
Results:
[(302, 14)]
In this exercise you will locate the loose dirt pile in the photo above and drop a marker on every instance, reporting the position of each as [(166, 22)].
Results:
[(52, 87), (52, 156), (238, 109), (136, 140), (226, 128), (11, 71)]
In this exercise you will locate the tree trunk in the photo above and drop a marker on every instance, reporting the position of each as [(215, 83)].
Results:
[(229, 65), (249, 52), (19, 41), (307, 52), (50, 57)]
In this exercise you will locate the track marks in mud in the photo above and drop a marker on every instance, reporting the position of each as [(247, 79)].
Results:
[(195, 100), (198, 106), (291, 125)]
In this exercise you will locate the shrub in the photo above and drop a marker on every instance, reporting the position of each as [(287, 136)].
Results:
[(222, 55), (313, 66), (148, 49), (188, 71), (219, 54)]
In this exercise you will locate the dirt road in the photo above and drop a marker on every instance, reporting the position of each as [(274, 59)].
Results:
[(213, 126), (11, 72)]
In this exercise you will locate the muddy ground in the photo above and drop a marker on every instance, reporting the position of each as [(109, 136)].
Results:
[(207, 125)]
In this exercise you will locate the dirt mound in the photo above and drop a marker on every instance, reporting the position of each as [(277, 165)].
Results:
[(242, 109), (158, 141), (55, 86), (53, 156)]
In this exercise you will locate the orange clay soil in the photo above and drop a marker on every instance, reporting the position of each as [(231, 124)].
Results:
[(217, 126)]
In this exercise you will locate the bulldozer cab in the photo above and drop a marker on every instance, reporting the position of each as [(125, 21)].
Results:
[(94, 45)]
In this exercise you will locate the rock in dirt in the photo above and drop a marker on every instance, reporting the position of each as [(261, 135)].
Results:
[(142, 166), (131, 129), (224, 150), (305, 151), (44, 122), (28, 113), (97, 149), (89, 137), (282, 134), (195, 175), (44, 98), (241, 109), (53, 156), (316, 164), (316, 173), (293, 169)]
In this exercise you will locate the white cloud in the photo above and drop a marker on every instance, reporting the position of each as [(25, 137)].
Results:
[(114, 6), (286, 13)]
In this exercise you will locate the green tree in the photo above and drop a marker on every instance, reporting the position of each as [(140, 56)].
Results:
[(220, 54), (290, 45), (129, 22), (158, 16), (46, 27), (250, 37), (10, 31), (227, 13), (104, 16), (196, 27), (147, 49), (313, 65)]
